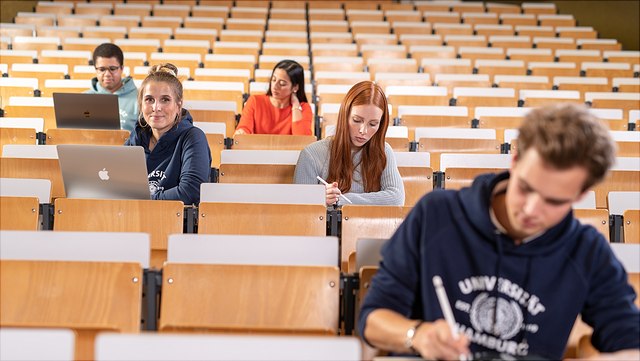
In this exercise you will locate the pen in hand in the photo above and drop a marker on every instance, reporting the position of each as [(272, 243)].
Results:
[(341, 195), (443, 300)]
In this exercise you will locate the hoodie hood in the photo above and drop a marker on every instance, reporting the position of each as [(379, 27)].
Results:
[(128, 86), (476, 200)]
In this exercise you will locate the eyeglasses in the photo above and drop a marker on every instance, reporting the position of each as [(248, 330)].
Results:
[(111, 69)]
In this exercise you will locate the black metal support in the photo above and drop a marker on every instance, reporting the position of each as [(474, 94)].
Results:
[(505, 148), (41, 138), (228, 143), (46, 211), (214, 176), (349, 285), (334, 217), (438, 180), (616, 228), (190, 219), (413, 146), (152, 289), (475, 123)]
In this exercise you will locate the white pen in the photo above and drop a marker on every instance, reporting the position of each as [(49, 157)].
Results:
[(446, 308), (341, 195)]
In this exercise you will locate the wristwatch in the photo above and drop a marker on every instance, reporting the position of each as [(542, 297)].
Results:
[(299, 107), (411, 333)]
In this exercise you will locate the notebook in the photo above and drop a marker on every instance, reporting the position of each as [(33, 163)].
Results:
[(86, 111), (103, 171)]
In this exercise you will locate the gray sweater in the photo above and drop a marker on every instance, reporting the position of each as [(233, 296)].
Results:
[(314, 161)]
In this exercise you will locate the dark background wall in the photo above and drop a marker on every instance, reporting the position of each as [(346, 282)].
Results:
[(614, 19)]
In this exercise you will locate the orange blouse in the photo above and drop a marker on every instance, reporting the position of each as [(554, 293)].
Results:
[(259, 116)]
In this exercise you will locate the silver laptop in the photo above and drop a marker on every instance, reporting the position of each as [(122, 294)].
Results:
[(86, 111), (104, 171)]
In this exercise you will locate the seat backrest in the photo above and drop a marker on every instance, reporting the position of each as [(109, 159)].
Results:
[(263, 193), (84, 296), (243, 298), (157, 218), (19, 213), (631, 226), (416, 174), (616, 180), (598, 218), (26, 187), (117, 347), (368, 222), (253, 249), (258, 166), (619, 202), (87, 136), (35, 169), (272, 141), (18, 344), (262, 219), (75, 246)]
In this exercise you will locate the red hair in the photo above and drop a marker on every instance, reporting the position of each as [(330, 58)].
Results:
[(373, 158)]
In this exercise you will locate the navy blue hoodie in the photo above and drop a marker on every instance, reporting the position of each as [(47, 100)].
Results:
[(538, 288), (179, 163)]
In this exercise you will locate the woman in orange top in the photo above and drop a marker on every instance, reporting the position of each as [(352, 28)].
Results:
[(284, 109)]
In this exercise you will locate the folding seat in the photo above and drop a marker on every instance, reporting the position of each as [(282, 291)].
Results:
[(370, 51), (402, 15), (330, 37), (544, 32), (214, 111), (258, 166), (609, 70), (578, 56), (30, 107), (399, 95), (284, 49), (171, 10), (138, 9), (623, 176), (92, 9), (329, 93), (473, 52), (627, 56), (518, 19), (500, 67), (390, 65), (455, 140), (476, 18), (208, 23), (599, 44), (19, 209), (469, 8), (441, 17), (576, 32), (465, 40), (340, 77), (373, 38), (536, 98), (355, 15), (510, 42), (460, 169), (611, 100), (18, 86), (149, 32), (246, 24), (213, 90), (204, 11), (225, 347), (614, 119), (270, 61), (329, 26), (43, 7), (628, 143), (35, 43), (69, 57), (404, 28), (451, 81), (530, 55), (87, 136), (249, 12), (490, 31), (360, 221), (557, 20), (492, 97), (59, 31), (271, 142), (53, 344), (127, 21), (288, 24), (452, 29), (409, 79), (19, 130), (84, 44), (433, 6), (146, 46), (12, 30), (236, 47), (553, 68), (420, 52), (37, 19), (85, 282), (370, 27), (416, 173), (626, 85), (286, 14), (500, 118), (539, 8), (329, 14)]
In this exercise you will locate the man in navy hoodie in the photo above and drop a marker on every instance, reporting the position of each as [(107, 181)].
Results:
[(517, 267)]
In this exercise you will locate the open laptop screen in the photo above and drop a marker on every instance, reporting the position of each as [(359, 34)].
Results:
[(86, 111)]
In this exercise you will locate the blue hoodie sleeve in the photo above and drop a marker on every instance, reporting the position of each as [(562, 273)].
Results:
[(610, 307), (195, 169), (396, 285)]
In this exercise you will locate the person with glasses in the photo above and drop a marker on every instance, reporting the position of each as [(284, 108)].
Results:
[(109, 63), (284, 109)]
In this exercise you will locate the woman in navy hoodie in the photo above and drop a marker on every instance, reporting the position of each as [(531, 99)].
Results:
[(517, 267), (178, 155)]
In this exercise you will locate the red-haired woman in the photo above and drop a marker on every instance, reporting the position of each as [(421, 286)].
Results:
[(356, 161)]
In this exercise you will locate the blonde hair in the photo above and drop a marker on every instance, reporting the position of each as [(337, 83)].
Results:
[(166, 73)]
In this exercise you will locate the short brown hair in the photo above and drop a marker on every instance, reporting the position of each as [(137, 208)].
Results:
[(568, 135)]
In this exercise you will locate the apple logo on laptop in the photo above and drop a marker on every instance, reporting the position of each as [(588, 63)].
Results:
[(103, 174)]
